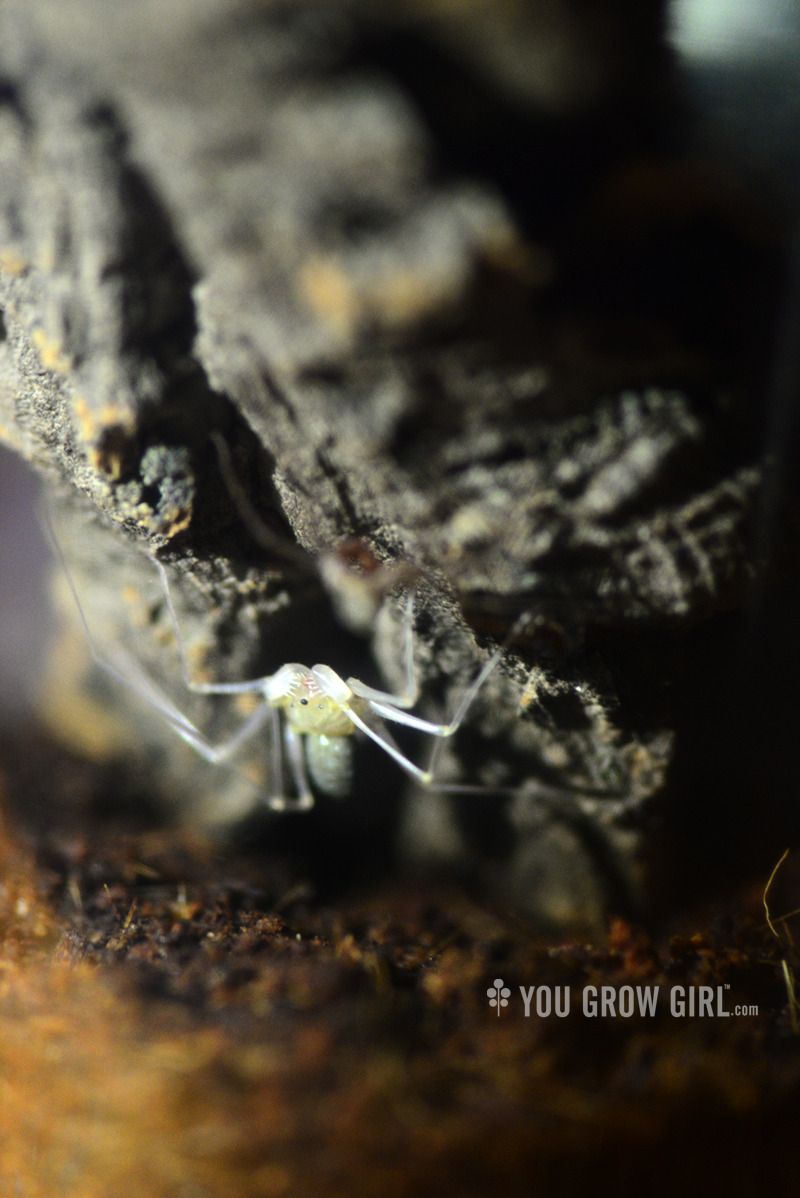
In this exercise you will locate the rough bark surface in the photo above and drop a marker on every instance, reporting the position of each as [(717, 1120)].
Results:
[(446, 309)]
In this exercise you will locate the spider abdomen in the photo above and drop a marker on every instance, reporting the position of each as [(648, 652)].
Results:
[(330, 763)]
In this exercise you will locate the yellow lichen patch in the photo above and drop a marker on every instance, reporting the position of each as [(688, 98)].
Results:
[(110, 415), (108, 455), (165, 524), (107, 432), (85, 417), (394, 298), (329, 292), (403, 297), (197, 660), (12, 263), (175, 521), (51, 353)]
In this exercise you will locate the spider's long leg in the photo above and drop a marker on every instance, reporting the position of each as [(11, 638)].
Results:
[(410, 693), (131, 675), (387, 704), (380, 734), (201, 688), (388, 711), (134, 678), (294, 751), (277, 799), (472, 690), (383, 738), (217, 754), (137, 680)]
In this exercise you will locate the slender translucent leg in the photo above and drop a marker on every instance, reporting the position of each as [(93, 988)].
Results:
[(294, 751), (135, 679), (472, 690), (387, 709), (217, 754), (389, 712), (277, 800), (202, 688), (381, 736), (411, 690)]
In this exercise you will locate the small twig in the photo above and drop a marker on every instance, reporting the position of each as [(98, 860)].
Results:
[(788, 977), (766, 892), (787, 916), (789, 980)]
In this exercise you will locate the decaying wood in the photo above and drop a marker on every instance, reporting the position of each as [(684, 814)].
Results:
[(449, 316)]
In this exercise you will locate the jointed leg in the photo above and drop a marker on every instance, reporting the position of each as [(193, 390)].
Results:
[(473, 689), (201, 688), (381, 735), (134, 678), (389, 711), (294, 751), (130, 674), (411, 689)]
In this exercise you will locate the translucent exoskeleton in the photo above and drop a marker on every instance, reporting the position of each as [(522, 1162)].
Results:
[(311, 714)]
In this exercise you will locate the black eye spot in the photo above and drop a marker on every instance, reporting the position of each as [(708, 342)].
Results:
[(304, 702)]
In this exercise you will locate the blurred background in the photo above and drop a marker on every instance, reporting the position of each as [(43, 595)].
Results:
[(24, 607)]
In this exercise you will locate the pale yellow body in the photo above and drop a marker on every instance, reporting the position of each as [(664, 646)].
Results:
[(310, 712)]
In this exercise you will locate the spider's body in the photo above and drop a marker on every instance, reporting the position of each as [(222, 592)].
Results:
[(321, 720), (308, 709), (312, 714)]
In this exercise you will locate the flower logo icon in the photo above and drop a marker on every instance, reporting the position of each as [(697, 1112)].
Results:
[(498, 995)]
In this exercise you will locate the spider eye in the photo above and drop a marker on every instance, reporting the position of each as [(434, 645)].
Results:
[(304, 702)]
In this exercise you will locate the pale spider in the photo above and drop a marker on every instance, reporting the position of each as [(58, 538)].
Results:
[(312, 713)]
